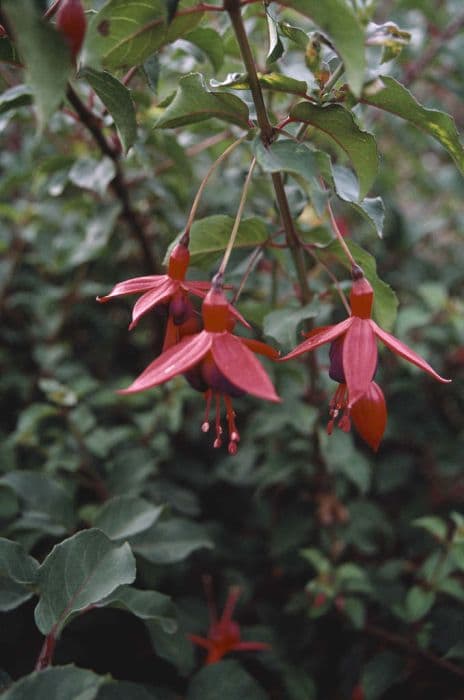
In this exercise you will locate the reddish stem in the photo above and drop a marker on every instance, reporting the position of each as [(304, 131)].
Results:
[(45, 657)]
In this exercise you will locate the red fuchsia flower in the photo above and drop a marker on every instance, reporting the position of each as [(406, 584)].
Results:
[(171, 288), (224, 633), (215, 362), (353, 363)]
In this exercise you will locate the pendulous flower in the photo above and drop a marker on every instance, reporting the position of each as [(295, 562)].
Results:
[(224, 633), (171, 288), (216, 362), (353, 363)]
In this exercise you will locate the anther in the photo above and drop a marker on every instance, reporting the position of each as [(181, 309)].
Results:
[(205, 427)]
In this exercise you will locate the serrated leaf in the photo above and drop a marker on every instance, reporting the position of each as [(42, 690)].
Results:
[(125, 33), (44, 53), (171, 541), (117, 100), (193, 103), (339, 125), (225, 679), (58, 683), (16, 564), (434, 525), (125, 516), (78, 572), (210, 42), (146, 605), (282, 324), (338, 22), (209, 237), (397, 99)]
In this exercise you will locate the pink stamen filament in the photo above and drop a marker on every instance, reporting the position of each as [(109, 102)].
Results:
[(208, 397), (234, 436), (339, 402), (218, 441)]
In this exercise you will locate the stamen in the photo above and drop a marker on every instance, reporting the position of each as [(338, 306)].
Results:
[(218, 441), (208, 397), (234, 436)]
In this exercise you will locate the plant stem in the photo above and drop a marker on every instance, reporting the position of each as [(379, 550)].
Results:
[(238, 216), (336, 75), (45, 657), (204, 182), (267, 135), (341, 240)]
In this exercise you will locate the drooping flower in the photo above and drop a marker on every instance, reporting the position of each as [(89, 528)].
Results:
[(216, 362), (353, 363), (224, 633), (171, 288)]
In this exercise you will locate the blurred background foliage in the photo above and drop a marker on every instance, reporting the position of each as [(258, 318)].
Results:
[(351, 564)]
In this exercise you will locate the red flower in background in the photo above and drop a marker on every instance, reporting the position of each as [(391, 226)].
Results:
[(224, 633), (71, 22), (215, 362), (353, 363), (170, 288)]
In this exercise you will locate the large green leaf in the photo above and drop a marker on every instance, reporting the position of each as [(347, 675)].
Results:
[(12, 594), (16, 564), (209, 237), (59, 683), (226, 680), (397, 99), (147, 605), (194, 103), (385, 299), (124, 516), (126, 32), (171, 541), (44, 53), (118, 101), (337, 21), (78, 572), (339, 125)]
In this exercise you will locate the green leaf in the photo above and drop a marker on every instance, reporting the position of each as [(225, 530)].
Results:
[(8, 52), (347, 188), (338, 22), (295, 34), (91, 174), (117, 100), (12, 594), (124, 516), (210, 42), (171, 541), (276, 48), (209, 237), (175, 648), (355, 610), (194, 103), (15, 97), (78, 572), (278, 82), (16, 564), (44, 53), (58, 683), (282, 324), (9, 503), (434, 525), (99, 228), (385, 299), (124, 33), (397, 99), (291, 157), (125, 690), (226, 680), (339, 125), (146, 605), (418, 602), (380, 673)]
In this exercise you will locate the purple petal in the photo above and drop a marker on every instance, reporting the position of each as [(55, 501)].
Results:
[(152, 298), (136, 285), (318, 337), (177, 360), (240, 366), (359, 358), (405, 352)]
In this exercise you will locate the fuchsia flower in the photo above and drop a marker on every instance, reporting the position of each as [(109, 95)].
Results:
[(215, 362), (171, 288), (224, 633), (353, 363)]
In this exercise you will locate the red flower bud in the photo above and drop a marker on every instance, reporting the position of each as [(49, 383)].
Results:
[(71, 23)]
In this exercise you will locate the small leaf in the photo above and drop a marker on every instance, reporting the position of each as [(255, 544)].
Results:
[(117, 100), (58, 683), (226, 680), (15, 564), (434, 525), (146, 605), (124, 516), (210, 42), (278, 82), (209, 237), (355, 610), (46, 57), (282, 324), (295, 34), (171, 541), (276, 48), (418, 603), (194, 103), (397, 99), (339, 125), (78, 572), (338, 22)]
